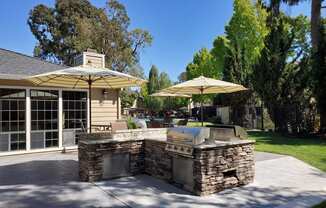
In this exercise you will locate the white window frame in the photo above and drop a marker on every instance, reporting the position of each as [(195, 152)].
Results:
[(28, 117)]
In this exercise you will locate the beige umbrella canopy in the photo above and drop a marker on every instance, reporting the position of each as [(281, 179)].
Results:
[(80, 77), (203, 85), (165, 94), (86, 77)]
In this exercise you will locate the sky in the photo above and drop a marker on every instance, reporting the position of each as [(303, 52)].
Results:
[(179, 27)]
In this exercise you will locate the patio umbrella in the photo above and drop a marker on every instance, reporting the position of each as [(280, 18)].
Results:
[(86, 77), (165, 94), (203, 85)]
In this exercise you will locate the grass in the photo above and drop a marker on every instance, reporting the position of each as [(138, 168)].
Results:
[(321, 205), (197, 124), (309, 150)]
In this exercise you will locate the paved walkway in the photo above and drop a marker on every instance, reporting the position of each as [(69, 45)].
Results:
[(51, 180)]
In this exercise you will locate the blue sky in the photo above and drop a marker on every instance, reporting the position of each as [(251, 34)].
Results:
[(179, 27)]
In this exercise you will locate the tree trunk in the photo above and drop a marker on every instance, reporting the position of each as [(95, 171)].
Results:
[(318, 54), (315, 23), (322, 111), (279, 117)]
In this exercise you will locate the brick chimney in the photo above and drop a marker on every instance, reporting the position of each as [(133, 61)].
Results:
[(90, 58)]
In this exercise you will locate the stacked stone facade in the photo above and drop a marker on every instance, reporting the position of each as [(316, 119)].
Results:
[(216, 169), (158, 162), (90, 158)]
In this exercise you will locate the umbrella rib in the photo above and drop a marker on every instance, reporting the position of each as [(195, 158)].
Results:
[(77, 81), (107, 82), (44, 81)]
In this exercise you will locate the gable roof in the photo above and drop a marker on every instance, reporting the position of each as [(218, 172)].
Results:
[(17, 66)]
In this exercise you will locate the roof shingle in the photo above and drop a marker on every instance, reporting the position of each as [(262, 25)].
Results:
[(15, 65)]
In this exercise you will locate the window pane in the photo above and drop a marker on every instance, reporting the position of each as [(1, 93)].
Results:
[(22, 105), (5, 105), (34, 105), (44, 117), (13, 115), (13, 126), (5, 115)]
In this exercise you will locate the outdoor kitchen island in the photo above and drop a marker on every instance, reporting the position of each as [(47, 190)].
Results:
[(200, 160)]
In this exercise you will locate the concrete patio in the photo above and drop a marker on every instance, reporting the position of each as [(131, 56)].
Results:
[(51, 180)]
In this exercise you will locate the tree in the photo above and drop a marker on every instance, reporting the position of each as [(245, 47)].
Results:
[(203, 64), (246, 33), (219, 51), (318, 54), (153, 82), (75, 25), (319, 71), (136, 70), (247, 29), (182, 77), (128, 98), (164, 81), (240, 49), (282, 74)]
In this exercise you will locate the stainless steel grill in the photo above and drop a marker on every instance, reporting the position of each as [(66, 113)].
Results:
[(181, 140)]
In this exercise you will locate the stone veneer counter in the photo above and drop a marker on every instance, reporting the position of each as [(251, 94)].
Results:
[(212, 167)]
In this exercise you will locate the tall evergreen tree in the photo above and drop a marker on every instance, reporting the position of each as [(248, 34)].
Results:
[(164, 81), (153, 82)]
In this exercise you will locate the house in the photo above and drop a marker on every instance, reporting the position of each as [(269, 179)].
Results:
[(35, 119)]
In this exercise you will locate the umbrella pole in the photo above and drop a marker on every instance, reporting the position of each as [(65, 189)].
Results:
[(90, 104), (201, 107)]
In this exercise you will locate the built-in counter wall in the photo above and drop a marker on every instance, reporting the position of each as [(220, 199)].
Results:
[(210, 169)]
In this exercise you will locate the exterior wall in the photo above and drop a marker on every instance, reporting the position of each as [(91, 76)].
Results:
[(104, 107)]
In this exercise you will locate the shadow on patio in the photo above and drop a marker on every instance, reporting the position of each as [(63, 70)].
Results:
[(48, 183), (145, 191)]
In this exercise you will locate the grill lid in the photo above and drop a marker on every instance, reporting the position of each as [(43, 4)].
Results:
[(187, 135)]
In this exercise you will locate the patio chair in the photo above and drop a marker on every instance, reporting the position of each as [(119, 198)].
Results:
[(118, 125), (155, 124)]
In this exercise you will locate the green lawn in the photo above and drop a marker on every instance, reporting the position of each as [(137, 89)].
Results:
[(197, 124), (321, 205), (310, 150)]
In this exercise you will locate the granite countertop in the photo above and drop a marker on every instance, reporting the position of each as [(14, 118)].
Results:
[(207, 145), (116, 140), (200, 146)]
